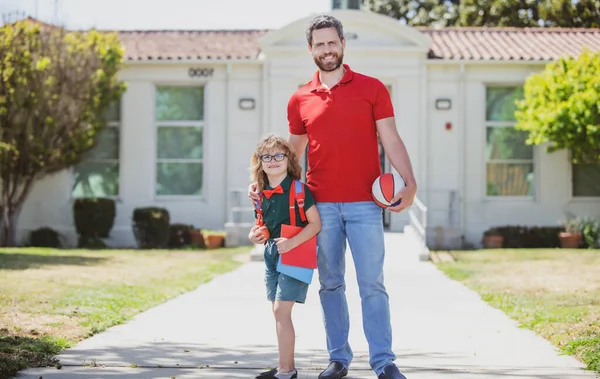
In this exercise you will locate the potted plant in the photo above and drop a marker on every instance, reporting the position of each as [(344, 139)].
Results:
[(197, 238), (492, 239), (571, 237), (214, 239)]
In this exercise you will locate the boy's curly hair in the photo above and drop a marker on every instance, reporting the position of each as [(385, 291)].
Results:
[(271, 144)]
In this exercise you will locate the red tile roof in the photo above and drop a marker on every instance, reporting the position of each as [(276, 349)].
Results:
[(501, 44), (190, 44), (526, 44)]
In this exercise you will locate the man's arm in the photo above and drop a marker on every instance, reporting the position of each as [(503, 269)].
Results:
[(298, 142), (396, 152)]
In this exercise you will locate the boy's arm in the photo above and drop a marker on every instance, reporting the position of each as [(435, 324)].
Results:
[(310, 230)]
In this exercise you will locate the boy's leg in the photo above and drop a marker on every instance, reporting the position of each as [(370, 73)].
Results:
[(286, 336), (331, 264), (364, 228)]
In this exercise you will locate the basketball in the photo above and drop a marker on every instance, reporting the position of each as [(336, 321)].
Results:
[(385, 187)]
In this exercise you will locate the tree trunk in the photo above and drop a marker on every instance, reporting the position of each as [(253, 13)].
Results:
[(10, 209), (10, 217)]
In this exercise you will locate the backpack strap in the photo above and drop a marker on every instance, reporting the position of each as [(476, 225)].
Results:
[(299, 186), (259, 215), (297, 196)]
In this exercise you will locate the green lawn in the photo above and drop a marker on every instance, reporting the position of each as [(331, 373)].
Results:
[(51, 299), (555, 292)]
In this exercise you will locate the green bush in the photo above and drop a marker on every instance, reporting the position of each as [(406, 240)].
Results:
[(151, 227), (516, 236), (85, 242), (179, 235), (44, 237), (94, 217), (590, 232)]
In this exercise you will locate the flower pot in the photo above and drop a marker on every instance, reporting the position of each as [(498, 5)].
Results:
[(214, 241), (493, 242), (569, 240), (197, 239)]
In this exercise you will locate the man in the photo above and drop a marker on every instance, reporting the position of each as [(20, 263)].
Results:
[(339, 114)]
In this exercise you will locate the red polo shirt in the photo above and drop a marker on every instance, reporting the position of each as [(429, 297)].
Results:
[(343, 156)]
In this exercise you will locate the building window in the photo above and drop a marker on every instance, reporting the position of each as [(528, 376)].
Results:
[(586, 180), (98, 173), (509, 161), (180, 130)]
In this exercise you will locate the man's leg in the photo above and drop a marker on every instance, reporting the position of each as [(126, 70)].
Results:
[(331, 241), (364, 228)]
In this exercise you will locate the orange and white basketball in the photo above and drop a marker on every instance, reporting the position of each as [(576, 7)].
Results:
[(385, 187)]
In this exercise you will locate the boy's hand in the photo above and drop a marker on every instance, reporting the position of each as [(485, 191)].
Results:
[(256, 237), (284, 245)]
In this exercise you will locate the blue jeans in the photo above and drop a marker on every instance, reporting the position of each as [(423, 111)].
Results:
[(361, 223)]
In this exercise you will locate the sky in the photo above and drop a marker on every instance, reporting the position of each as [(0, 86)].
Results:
[(166, 14)]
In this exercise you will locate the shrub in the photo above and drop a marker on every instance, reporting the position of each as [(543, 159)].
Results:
[(179, 235), (94, 217), (91, 243), (590, 232), (151, 227), (516, 236), (44, 237)]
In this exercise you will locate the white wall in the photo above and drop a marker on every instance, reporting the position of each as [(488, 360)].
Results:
[(225, 163), (457, 160)]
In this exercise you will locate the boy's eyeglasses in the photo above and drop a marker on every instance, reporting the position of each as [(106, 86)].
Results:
[(267, 158)]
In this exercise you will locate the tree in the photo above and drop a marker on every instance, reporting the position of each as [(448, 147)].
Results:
[(491, 13), (55, 88), (417, 12), (561, 106), (518, 13), (567, 13)]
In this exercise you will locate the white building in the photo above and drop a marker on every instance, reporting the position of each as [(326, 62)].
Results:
[(198, 101)]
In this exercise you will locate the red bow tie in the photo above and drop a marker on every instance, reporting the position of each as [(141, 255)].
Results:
[(268, 193)]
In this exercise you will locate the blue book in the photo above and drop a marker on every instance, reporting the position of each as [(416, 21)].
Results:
[(300, 273)]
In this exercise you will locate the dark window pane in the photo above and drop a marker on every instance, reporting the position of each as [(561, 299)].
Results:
[(179, 103), (507, 143), (500, 103), (505, 179), (107, 145), (586, 180), (179, 142), (179, 179), (96, 179), (114, 112)]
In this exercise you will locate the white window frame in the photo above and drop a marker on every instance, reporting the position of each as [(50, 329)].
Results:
[(504, 124), (179, 124), (117, 196)]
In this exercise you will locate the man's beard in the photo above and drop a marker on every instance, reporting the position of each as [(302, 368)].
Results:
[(332, 65)]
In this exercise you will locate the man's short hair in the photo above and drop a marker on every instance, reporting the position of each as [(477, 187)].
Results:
[(323, 22)]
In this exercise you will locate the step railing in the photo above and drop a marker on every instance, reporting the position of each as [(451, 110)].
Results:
[(241, 209), (418, 219)]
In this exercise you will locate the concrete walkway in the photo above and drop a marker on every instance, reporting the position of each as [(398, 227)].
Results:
[(224, 329)]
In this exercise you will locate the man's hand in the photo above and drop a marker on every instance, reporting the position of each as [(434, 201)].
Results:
[(256, 236), (407, 196), (284, 245), (253, 193)]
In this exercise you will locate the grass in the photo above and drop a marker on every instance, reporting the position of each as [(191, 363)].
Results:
[(554, 292), (50, 299)]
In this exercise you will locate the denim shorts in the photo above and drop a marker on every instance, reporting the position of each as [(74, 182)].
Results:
[(280, 286)]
